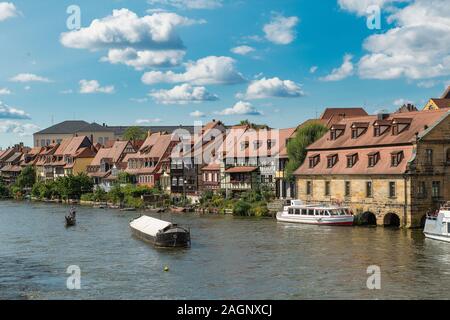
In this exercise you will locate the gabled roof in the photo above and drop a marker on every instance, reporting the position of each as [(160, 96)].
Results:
[(446, 94), (342, 112), (441, 103), (70, 146)]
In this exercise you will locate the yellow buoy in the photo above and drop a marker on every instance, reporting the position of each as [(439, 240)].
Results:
[(166, 268)]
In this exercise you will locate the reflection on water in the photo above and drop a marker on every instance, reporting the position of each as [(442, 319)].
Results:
[(230, 258)]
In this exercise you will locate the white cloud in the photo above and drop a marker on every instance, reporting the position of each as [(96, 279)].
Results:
[(189, 4), (360, 6), (139, 100), (313, 69), (20, 129), (93, 86), (7, 112), (4, 91), (272, 88), (240, 108), (400, 102), (124, 28), (418, 47), (281, 30), (197, 114), (344, 71), (146, 121), (208, 70), (8, 10), (242, 50), (183, 94), (141, 59), (28, 77)]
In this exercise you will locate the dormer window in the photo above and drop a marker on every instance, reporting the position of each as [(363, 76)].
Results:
[(380, 127), (332, 160), (358, 129), (314, 160), (374, 157), (396, 158), (400, 124), (336, 131), (352, 159)]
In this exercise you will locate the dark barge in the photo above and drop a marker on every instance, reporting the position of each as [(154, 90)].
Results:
[(160, 233)]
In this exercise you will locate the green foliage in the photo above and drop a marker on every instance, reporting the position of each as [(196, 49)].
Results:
[(132, 202), (72, 187), (26, 178), (137, 191), (297, 146), (124, 177), (134, 133), (99, 195), (87, 197), (259, 209), (16, 192), (4, 191), (242, 208), (116, 194)]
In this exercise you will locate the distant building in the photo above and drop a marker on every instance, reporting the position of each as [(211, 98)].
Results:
[(439, 103), (96, 133), (390, 169), (109, 162)]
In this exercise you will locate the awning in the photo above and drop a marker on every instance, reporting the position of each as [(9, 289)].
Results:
[(241, 169)]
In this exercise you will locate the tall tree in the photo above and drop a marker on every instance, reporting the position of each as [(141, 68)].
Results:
[(297, 146), (134, 133), (26, 178)]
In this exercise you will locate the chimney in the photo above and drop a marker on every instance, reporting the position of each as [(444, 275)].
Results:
[(104, 124), (149, 133), (383, 116)]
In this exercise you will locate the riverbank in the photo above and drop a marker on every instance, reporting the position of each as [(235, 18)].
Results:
[(278, 261)]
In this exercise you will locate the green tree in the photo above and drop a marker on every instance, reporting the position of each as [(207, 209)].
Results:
[(297, 146), (26, 178), (116, 194), (134, 133), (4, 191)]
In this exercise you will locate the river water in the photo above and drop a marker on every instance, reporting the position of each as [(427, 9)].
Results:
[(230, 258)]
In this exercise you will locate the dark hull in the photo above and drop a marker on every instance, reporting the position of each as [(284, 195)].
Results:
[(70, 222), (178, 238)]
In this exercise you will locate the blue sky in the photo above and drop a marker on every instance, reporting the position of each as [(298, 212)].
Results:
[(278, 62)]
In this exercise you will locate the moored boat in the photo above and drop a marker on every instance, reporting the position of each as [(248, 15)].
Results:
[(128, 209), (437, 226), (160, 233), (318, 214)]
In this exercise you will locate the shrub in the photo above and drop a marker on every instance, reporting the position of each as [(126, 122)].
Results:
[(134, 202), (241, 208), (87, 197)]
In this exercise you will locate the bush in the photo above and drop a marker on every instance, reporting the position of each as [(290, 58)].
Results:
[(4, 191), (99, 195), (87, 197), (241, 208), (134, 202), (259, 209)]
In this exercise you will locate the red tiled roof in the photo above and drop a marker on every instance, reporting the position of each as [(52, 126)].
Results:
[(241, 169), (343, 112), (212, 167), (420, 121), (442, 103), (361, 167)]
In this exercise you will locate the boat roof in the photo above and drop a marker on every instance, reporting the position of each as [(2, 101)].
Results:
[(149, 225), (318, 206)]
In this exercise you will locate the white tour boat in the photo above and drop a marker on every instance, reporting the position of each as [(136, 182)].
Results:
[(316, 214), (437, 226)]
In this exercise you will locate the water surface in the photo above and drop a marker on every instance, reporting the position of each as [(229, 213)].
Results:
[(230, 258)]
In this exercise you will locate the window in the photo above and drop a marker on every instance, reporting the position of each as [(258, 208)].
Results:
[(47, 142), (100, 140), (422, 189), (314, 161), (351, 160), (297, 211), (43, 143), (429, 156), (392, 189), (396, 158), (347, 188), (332, 160), (244, 145), (369, 191), (327, 188), (257, 144), (358, 129), (271, 143), (308, 188), (373, 158), (436, 189)]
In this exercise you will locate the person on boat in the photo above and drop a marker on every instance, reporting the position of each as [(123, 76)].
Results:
[(72, 213)]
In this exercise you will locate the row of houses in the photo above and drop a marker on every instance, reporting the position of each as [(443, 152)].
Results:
[(391, 168)]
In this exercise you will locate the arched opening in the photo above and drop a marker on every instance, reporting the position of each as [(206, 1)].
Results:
[(367, 219), (391, 220)]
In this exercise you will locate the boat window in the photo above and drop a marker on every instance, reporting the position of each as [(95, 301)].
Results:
[(328, 213), (310, 212), (297, 211), (448, 227), (320, 212), (304, 212), (291, 211)]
